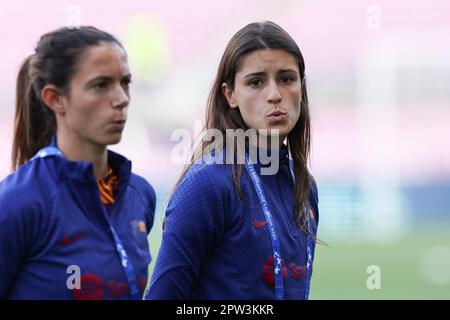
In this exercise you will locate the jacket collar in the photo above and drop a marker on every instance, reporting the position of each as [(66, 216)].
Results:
[(81, 170)]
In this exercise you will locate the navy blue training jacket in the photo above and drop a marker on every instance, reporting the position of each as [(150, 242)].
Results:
[(51, 223), (216, 246)]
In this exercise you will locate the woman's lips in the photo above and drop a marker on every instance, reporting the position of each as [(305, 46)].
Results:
[(118, 125), (277, 116)]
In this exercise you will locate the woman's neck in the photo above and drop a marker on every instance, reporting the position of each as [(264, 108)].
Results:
[(75, 149), (268, 142)]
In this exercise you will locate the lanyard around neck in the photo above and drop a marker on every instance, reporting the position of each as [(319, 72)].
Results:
[(277, 265)]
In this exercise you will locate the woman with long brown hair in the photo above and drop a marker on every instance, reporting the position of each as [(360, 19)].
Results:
[(231, 230), (74, 219)]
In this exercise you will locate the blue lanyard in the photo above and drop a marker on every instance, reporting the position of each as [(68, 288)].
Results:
[(277, 266), (125, 262)]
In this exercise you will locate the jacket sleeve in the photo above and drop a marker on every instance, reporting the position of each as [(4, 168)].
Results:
[(193, 227), (22, 228)]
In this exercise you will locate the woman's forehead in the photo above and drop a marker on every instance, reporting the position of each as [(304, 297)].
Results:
[(266, 60), (107, 59)]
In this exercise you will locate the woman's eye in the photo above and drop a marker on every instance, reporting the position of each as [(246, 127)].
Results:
[(255, 83), (126, 84), (101, 86), (286, 80)]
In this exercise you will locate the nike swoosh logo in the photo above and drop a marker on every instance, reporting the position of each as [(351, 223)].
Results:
[(65, 241), (259, 224)]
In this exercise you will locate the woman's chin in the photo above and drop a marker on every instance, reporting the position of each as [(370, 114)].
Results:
[(280, 130), (112, 139)]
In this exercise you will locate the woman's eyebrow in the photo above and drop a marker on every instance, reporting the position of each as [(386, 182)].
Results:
[(262, 73), (107, 78), (100, 78), (287, 70), (255, 74)]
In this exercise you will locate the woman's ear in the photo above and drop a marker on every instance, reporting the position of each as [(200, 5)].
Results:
[(53, 98), (229, 94)]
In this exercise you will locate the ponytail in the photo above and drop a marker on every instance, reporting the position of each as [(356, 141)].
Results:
[(34, 123)]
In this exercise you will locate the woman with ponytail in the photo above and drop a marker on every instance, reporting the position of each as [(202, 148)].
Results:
[(236, 228), (74, 219)]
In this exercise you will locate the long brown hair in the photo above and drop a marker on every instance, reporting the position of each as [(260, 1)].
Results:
[(55, 61), (253, 37)]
